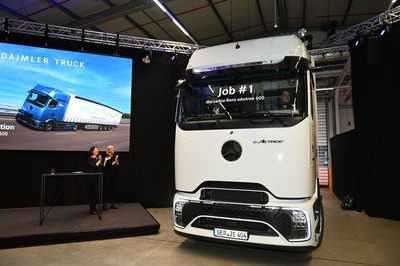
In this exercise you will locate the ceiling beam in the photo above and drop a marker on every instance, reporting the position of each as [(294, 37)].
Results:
[(261, 15), (131, 20), (218, 15), (137, 25), (14, 12), (172, 38), (346, 14), (45, 8), (304, 13), (113, 12), (63, 9), (68, 12)]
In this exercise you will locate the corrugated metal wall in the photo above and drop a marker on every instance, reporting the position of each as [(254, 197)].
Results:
[(322, 140)]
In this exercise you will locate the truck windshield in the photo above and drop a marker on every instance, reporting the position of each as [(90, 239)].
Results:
[(276, 98), (38, 99)]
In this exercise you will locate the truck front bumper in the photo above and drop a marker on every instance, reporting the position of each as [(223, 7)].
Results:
[(28, 121), (287, 224)]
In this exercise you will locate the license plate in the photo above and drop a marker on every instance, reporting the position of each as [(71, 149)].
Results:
[(232, 234)]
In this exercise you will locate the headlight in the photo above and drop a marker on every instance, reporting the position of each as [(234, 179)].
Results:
[(178, 208), (299, 228), (292, 224)]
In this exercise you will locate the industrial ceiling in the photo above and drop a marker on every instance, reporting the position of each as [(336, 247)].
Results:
[(210, 22)]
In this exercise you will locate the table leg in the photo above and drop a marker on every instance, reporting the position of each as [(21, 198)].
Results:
[(42, 199), (100, 197)]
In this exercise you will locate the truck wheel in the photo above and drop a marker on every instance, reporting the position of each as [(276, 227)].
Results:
[(320, 232), (75, 127), (48, 127)]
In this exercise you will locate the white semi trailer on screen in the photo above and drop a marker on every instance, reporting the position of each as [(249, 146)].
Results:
[(245, 148), (48, 109)]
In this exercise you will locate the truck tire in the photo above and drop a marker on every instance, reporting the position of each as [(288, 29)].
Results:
[(75, 127), (321, 224), (48, 126)]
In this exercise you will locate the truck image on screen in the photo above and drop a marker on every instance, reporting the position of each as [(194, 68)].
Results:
[(50, 109), (245, 146)]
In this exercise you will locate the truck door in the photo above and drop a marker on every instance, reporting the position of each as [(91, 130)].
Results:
[(54, 112)]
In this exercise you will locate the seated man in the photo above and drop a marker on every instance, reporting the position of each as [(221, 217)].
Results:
[(284, 100)]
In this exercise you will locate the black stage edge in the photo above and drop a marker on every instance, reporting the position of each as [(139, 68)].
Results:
[(20, 227)]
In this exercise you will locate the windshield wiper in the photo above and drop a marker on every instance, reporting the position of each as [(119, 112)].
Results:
[(203, 118), (263, 116), (223, 107)]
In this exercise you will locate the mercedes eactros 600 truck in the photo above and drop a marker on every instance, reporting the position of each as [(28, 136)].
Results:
[(52, 109), (245, 148)]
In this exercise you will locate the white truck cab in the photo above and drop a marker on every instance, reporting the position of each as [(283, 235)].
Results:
[(245, 147)]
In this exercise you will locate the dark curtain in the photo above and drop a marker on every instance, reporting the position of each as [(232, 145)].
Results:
[(375, 83)]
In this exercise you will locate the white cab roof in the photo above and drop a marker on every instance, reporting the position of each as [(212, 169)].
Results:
[(268, 50)]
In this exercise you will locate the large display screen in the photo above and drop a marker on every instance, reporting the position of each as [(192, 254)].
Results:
[(61, 100)]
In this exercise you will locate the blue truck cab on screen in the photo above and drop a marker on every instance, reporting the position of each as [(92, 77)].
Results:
[(48, 109)]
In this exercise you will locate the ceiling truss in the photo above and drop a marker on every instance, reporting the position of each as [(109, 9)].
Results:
[(371, 25), (90, 36)]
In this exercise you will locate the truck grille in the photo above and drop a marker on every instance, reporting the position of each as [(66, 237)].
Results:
[(280, 219), (26, 117), (237, 196), (253, 228)]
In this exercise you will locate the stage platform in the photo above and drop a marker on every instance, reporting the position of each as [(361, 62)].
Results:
[(20, 227)]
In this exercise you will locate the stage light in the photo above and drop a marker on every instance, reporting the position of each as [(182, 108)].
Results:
[(174, 19), (174, 57), (302, 32), (384, 30), (276, 14), (146, 59)]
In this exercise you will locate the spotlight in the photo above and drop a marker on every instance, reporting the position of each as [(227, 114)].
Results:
[(302, 32), (146, 59), (275, 26), (174, 56), (384, 29)]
